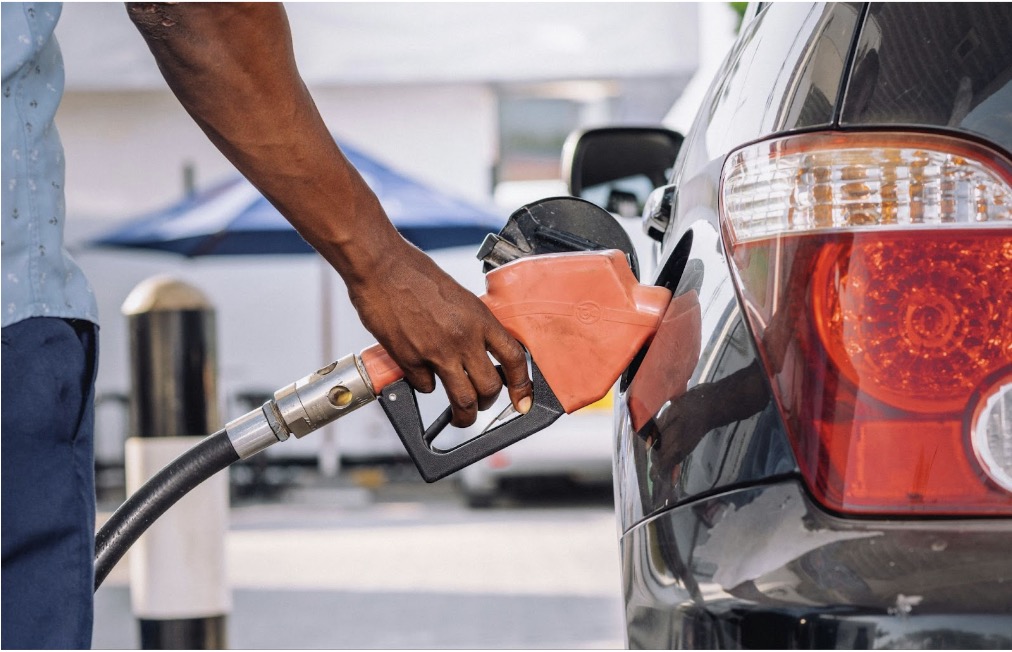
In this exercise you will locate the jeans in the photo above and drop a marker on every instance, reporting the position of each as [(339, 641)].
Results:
[(48, 478)]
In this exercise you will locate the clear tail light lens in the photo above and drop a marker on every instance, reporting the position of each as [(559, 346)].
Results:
[(876, 273), (992, 434)]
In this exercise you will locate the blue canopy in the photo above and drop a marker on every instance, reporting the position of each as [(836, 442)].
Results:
[(233, 218)]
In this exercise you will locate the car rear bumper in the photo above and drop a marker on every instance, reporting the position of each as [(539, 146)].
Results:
[(766, 567)]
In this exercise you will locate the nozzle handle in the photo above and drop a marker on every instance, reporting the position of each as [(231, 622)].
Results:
[(398, 401)]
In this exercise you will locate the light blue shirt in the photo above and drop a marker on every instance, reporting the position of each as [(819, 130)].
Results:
[(40, 279)]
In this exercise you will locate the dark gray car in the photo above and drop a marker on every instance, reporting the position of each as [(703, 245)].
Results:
[(816, 448)]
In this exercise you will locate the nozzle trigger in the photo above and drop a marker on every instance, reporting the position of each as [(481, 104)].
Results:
[(401, 407)]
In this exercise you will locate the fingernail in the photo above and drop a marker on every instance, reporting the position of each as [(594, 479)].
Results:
[(525, 405)]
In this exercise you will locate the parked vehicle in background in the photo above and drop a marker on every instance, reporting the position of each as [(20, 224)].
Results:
[(575, 449), (816, 448)]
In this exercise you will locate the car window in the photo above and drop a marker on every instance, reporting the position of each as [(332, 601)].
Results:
[(937, 65)]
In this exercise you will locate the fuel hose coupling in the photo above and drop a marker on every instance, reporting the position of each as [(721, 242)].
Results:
[(306, 405)]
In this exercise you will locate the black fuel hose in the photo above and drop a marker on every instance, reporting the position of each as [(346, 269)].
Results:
[(161, 492)]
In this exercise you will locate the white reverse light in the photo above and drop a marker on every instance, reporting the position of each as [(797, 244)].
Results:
[(992, 435)]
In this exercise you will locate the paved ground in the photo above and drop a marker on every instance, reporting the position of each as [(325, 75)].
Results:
[(408, 566)]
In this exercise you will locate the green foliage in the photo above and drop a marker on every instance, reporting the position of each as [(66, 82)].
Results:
[(739, 8)]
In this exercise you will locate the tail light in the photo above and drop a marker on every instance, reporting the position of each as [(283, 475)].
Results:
[(876, 274)]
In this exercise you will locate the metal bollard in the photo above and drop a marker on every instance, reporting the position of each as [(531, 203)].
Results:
[(178, 585)]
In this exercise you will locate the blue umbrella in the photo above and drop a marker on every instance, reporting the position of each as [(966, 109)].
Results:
[(233, 218)]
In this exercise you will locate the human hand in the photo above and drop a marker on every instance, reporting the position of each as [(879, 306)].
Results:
[(431, 326)]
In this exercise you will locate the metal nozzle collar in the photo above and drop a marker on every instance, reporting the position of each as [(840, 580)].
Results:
[(251, 433), (323, 396)]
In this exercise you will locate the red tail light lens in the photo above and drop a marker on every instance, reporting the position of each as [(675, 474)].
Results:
[(876, 272), (918, 320)]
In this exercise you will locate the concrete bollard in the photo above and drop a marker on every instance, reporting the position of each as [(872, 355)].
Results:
[(178, 584)]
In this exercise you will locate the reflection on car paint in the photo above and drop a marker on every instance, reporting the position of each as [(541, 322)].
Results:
[(669, 362), (688, 394), (723, 573), (776, 542), (776, 64)]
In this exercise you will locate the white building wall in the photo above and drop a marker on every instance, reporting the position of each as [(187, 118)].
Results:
[(348, 43), (126, 150), (445, 135)]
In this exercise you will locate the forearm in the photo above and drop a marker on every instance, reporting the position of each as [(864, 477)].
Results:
[(232, 67)]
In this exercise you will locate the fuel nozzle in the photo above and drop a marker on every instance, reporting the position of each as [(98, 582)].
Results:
[(582, 317), (561, 278)]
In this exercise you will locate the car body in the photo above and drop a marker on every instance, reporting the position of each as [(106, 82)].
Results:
[(816, 448)]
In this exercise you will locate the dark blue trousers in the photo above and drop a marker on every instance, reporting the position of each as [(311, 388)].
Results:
[(48, 478)]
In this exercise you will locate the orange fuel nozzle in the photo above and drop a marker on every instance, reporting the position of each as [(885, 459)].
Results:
[(582, 316)]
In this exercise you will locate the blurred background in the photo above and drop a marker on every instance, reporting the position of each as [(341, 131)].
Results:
[(475, 101)]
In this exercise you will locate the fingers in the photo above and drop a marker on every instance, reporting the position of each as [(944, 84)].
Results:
[(429, 325), (467, 393), (472, 388), (421, 379), (463, 397), (511, 356), (485, 380), (476, 385)]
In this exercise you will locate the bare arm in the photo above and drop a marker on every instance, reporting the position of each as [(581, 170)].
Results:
[(233, 68)]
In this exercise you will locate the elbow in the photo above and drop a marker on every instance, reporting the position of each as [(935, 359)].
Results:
[(153, 19), (199, 23)]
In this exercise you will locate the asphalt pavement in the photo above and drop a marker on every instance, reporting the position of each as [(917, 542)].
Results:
[(402, 564)]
